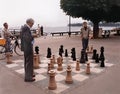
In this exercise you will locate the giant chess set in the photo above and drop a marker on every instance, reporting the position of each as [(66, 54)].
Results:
[(64, 71)]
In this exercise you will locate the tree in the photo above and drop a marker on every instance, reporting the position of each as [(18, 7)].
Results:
[(93, 10)]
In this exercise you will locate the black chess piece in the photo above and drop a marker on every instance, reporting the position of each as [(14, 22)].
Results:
[(60, 53), (74, 54), (49, 53), (94, 54), (61, 49), (102, 62), (37, 50), (86, 56), (97, 58), (82, 59), (66, 53), (102, 53)]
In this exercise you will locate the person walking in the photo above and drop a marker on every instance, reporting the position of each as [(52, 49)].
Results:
[(27, 47), (85, 32)]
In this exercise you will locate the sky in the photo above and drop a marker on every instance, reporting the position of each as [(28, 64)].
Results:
[(44, 12)]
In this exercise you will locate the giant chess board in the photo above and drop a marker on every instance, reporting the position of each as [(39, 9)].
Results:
[(42, 78)]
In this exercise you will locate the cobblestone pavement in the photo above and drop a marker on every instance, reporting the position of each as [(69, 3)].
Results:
[(106, 83)]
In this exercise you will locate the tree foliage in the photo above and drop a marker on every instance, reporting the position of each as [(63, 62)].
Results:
[(93, 10)]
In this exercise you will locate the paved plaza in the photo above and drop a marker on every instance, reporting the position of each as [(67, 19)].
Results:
[(100, 81)]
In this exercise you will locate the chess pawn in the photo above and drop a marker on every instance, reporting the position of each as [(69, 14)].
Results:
[(60, 68), (77, 66), (36, 61), (52, 82), (53, 59), (102, 62), (52, 63), (94, 54), (87, 49), (88, 68), (62, 50), (69, 79), (49, 67), (38, 56), (97, 58), (8, 58), (91, 49), (49, 53), (66, 53)]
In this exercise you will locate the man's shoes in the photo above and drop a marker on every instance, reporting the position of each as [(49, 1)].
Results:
[(31, 80)]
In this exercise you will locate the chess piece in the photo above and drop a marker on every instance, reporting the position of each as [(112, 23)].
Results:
[(60, 53), (88, 68), (66, 53), (52, 82), (49, 53), (8, 58), (87, 49), (86, 56), (102, 62), (36, 61), (61, 49), (37, 50), (49, 67), (82, 59), (97, 58), (94, 54), (69, 79), (102, 53), (52, 63), (59, 62), (77, 66), (73, 56), (53, 57), (91, 49)]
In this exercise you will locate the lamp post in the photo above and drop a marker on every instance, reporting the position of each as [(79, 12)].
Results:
[(69, 26)]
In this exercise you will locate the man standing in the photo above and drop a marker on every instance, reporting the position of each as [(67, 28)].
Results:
[(85, 31), (27, 46)]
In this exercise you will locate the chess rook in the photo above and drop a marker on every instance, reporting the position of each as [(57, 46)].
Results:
[(52, 82), (69, 79)]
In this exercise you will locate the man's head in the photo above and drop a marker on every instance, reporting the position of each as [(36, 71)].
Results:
[(30, 22), (5, 25), (84, 24)]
